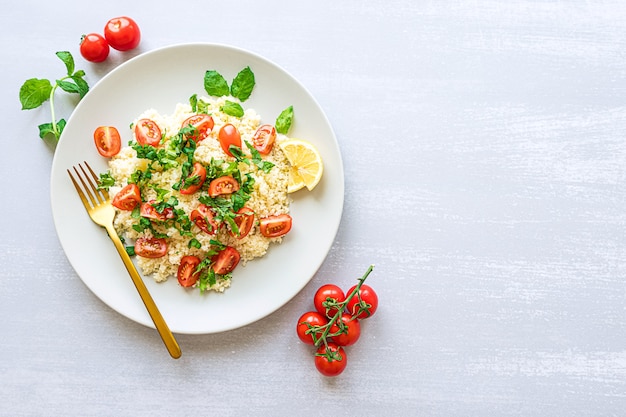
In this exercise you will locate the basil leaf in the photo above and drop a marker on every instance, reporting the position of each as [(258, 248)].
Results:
[(232, 108), (243, 84), (214, 84), (83, 87), (68, 60), (283, 121), (34, 92)]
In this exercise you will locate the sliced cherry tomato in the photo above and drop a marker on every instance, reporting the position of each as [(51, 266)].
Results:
[(366, 306), (229, 135), (223, 185), (149, 211), (107, 140), (309, 326), (147, 132), (244, 219), (263, 139), (204, 218), (187, 274), (331, 359), (348, 332), (203, 124), (326, 299), (150, 247), (127, 198), (94, 48), (194, 181), (275, 226), (226, 260), (122, 33)]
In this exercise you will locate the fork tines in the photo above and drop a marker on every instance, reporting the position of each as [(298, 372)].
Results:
[(97, 195)]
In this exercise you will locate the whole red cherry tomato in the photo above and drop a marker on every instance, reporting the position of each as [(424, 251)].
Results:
[(94, 48), (306, 324), (348, 333), (366, 306), (122, 33), (327, 295), (331, 359)]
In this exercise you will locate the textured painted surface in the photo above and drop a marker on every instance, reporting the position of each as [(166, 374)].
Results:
[(485, 160)]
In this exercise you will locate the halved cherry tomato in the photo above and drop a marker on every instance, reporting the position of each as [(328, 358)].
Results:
[(263, 139), (366, 306), (204, 218), (150, 247), (194, 181), (229, 135), (122, 33), (328, 293), (107, 140), (94, 48), (187, 274), (203, 124), (307, 325), (127, 198), (147, 132), (148, 211), (223, 185), (349, 332), (275, 226), (226, 260), (244, 219), (331, 359)]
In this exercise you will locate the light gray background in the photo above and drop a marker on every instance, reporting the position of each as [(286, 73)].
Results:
[(485, 160)]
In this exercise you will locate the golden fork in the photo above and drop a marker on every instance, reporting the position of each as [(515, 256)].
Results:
[(98, 205)]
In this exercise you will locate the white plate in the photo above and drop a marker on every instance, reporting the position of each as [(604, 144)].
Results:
[(159, 79)]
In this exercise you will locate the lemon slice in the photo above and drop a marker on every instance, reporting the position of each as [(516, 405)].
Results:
[(306, 164)]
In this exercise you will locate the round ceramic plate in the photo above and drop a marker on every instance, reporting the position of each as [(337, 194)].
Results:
[(160, 79)]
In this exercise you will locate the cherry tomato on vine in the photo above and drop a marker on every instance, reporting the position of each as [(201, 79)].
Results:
[(306, 322), (331, 359), (127, 198), (194, 181), (229, 135), (187, 275), (349, 333), (320, 299), (147, 132), (107, 140), (226, 260), (150, 247), (368, 304), (122, 33), (275, 226), (94, 48)]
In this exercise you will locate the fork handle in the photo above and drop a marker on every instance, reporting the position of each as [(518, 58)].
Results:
[(164, 331)]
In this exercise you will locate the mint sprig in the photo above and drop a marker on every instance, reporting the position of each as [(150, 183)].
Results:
[(35, 92)]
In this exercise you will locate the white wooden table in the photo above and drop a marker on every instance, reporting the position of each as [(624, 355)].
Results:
[(485, 157)]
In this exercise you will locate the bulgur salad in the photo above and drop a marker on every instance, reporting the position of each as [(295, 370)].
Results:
[(201, 190)]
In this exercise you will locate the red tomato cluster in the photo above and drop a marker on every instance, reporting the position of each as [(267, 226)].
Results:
[(335, 323), (120, 33)]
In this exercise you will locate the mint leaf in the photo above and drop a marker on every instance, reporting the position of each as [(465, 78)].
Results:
[(81, 84), (34, 92), (232, 108), (214, 84), (68, 86), (193, 102), (68, 60), (284, 120), (243, 84), (45, 129)]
